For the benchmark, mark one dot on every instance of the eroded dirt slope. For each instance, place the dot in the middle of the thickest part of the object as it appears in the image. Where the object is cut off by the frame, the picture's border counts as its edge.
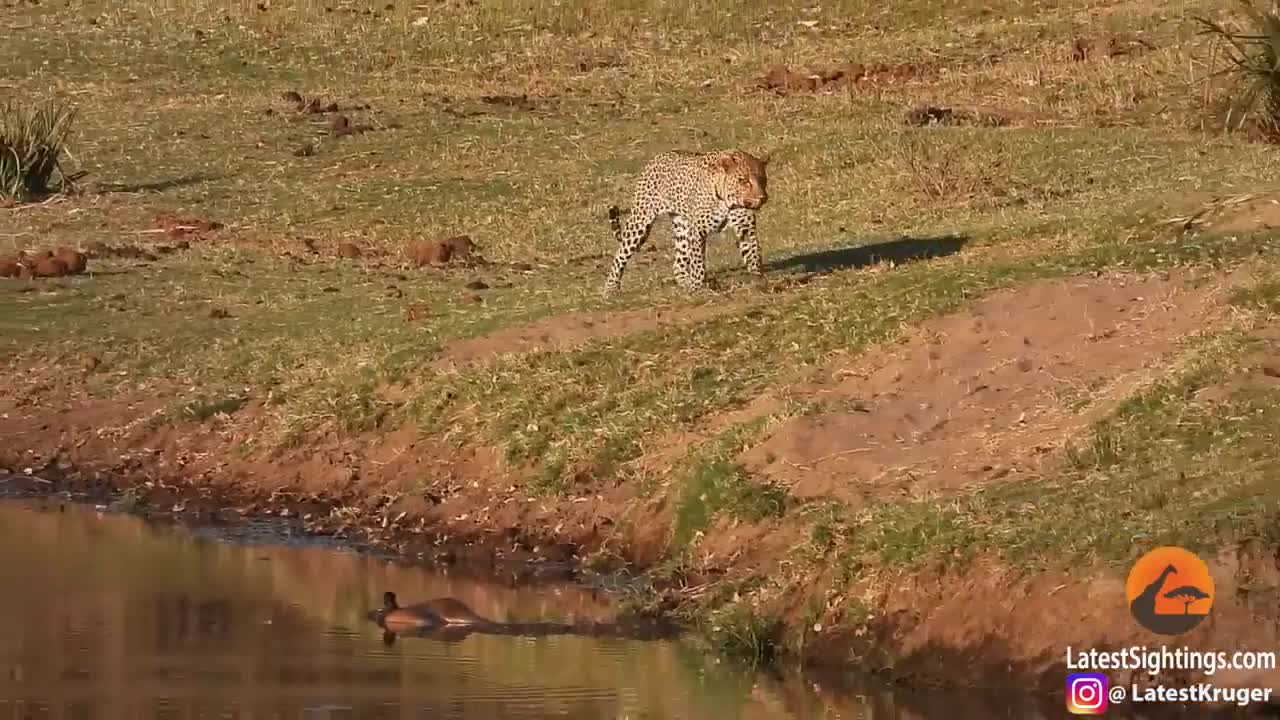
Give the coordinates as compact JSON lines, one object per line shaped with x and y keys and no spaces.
{"x":990,"y":393}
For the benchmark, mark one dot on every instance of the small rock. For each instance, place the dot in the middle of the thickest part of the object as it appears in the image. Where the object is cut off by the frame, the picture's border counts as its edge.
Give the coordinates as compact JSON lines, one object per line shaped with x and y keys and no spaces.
{"x":477,"y":285}
{"x":348,"y":250}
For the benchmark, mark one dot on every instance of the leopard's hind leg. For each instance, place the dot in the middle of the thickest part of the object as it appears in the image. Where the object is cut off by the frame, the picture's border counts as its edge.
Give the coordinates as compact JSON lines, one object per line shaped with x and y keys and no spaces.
{"x":630,"y":235}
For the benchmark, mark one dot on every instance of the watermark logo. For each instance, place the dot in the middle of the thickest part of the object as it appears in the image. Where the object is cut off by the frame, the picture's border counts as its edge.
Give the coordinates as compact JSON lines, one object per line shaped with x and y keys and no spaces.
{"x":1170,"y":591}
{"x":1087,"y":694}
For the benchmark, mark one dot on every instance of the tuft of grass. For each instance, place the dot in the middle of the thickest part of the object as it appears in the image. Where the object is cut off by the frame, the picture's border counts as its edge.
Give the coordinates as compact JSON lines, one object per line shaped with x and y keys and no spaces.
{"x":1264,"y":296}
{"x":743,"y":633}
{"x":32,"y":142}
{"x":715,"y":483}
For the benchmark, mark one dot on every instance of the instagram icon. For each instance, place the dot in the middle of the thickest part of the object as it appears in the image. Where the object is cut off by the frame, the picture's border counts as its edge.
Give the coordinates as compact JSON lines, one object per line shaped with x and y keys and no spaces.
{"x":1087,"y":694}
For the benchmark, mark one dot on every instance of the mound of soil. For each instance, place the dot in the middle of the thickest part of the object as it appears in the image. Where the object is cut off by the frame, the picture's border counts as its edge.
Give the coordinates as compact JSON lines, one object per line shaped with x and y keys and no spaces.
{"x":985,"y":395}
{"x":49,"y":268}
{"x":45,"y":264}
{"x":76,"y":262}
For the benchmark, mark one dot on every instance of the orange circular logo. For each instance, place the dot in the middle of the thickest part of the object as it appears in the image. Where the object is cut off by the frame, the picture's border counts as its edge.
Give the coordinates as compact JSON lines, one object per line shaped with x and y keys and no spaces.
{"x":1169,"y":591}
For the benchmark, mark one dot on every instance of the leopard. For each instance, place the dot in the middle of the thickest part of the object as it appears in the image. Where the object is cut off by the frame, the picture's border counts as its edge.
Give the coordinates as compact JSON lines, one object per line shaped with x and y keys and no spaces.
{"x":702,"y":193}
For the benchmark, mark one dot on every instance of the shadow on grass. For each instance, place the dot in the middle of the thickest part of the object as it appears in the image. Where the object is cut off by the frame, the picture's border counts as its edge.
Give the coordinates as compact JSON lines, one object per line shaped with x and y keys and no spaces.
{"x":157,"y":185}
{"x":900,"y":250}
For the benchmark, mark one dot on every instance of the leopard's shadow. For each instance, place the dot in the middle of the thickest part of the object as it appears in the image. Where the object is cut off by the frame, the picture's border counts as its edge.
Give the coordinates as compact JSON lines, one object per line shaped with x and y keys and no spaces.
{"x":900,"y":250}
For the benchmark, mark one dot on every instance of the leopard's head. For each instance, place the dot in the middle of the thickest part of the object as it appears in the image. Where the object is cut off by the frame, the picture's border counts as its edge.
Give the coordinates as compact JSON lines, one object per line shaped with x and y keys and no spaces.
{"x":745,"y":179}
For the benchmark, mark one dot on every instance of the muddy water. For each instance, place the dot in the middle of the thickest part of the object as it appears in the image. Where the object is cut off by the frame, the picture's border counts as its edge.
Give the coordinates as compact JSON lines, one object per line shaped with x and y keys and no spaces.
{"x":111,"y":617}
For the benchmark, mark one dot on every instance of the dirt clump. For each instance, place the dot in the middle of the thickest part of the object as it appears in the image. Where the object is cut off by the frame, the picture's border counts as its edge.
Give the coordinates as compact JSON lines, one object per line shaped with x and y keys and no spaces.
{"x":176,"y":226}
{"x":350,"y":251}
{"x":1245,"y":213}
{"x":75,"y":260}
{"x":459,"y":249}
{"x":49,"y":267}
{"x":983,"y":395}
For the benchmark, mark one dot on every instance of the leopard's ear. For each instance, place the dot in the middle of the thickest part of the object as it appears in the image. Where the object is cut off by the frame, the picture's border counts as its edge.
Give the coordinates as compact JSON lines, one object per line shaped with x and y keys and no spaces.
{"x":728,"y":161}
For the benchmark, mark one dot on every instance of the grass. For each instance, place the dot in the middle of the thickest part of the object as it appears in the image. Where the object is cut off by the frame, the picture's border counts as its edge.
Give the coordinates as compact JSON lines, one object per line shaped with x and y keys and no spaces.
{"x":518,"y":124}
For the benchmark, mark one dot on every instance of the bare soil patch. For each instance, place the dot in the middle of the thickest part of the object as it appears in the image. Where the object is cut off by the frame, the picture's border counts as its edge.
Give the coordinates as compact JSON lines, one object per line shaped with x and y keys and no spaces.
{"x":566,"y":331}
{"x":987,"y":394}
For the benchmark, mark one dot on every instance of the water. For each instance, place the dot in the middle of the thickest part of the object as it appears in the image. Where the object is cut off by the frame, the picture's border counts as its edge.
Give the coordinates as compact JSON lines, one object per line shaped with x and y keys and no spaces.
{"x":111,"y":617}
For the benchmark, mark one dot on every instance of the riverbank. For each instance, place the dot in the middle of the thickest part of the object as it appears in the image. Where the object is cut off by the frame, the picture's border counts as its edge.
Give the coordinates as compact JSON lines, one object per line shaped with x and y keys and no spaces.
{"x":990,"y":363}
{"x":949,"y":587}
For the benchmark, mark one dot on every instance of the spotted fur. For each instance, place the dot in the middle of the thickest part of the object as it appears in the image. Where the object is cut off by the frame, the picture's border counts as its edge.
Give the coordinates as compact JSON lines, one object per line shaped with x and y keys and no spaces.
{"x":702,"y":193}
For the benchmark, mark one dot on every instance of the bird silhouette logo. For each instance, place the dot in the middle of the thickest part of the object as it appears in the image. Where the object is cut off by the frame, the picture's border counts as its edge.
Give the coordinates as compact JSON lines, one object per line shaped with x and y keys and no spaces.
{"x":1170,"y":591}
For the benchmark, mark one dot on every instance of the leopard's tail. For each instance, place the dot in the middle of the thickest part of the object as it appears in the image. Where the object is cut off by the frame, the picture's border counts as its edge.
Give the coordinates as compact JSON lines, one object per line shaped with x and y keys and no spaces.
{"x":615,"y":221}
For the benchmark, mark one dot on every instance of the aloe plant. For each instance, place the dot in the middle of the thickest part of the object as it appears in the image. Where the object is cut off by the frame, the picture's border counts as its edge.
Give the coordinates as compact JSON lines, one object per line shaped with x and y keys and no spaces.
{"x":1255,"y":60}
{"x":32,"y":141}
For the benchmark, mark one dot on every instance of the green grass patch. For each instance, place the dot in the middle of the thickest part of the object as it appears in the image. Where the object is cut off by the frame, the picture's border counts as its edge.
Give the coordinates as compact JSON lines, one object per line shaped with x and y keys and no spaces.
{"x":714,"y":484}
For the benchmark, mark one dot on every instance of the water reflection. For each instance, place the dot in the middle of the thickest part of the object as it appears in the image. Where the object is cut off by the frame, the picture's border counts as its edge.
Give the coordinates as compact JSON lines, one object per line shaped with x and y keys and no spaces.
{"x":108,"y":617}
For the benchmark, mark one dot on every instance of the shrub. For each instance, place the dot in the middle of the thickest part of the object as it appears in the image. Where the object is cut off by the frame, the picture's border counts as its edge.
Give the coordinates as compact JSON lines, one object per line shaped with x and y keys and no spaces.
{"x":32,"y":141}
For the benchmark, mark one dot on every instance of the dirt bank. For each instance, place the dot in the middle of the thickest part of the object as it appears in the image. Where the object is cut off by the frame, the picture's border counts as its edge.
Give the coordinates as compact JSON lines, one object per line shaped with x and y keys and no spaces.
{"x":990,"y":397}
